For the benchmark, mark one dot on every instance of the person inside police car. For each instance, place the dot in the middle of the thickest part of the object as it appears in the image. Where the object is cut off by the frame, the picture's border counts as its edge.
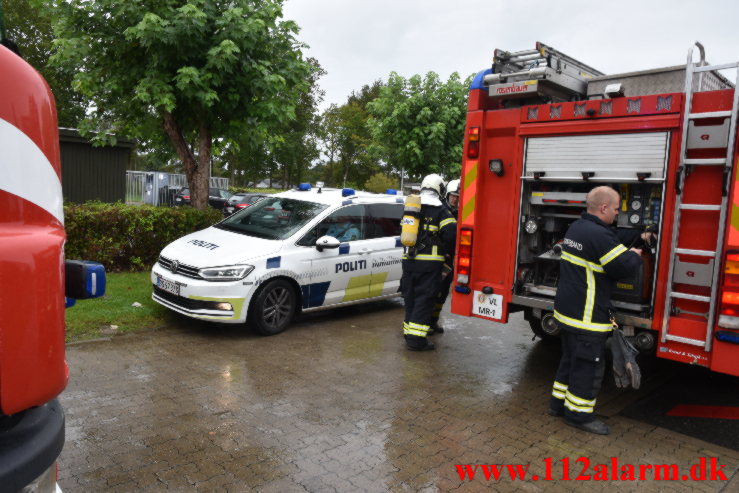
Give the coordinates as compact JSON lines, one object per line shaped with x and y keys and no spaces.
{"x":592,"y":259}
{"x":423,"y":263}
{"x":344,"y":229}
{"x":451,"y":202}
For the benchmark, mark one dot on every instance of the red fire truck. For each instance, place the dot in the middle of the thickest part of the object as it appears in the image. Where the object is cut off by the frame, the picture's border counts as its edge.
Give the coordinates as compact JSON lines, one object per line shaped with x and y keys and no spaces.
{"x":34,"y":279}
{"x":542,"y":130}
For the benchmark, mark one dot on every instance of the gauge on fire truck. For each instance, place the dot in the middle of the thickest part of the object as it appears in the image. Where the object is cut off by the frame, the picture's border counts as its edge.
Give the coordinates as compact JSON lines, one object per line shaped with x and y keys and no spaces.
{"x":531,"y":226}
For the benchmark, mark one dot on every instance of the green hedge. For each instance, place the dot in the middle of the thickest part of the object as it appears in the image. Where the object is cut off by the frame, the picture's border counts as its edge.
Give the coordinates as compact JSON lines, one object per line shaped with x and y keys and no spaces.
{"x":128,"y":237}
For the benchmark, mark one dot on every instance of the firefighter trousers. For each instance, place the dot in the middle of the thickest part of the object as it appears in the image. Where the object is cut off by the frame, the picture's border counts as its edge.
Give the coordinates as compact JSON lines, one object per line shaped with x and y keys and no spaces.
{"x":420,"y":289}
{"x":442,"y":295}
{"x":580,"y":374}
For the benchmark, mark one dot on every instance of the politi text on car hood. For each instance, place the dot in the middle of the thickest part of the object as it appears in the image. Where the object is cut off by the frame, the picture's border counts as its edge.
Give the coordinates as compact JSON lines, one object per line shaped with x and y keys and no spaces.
{"x":213,"y":247}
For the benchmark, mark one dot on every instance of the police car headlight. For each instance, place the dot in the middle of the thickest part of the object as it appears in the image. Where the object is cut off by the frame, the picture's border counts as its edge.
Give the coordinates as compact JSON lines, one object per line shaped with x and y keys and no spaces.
{"x":226,"y":272}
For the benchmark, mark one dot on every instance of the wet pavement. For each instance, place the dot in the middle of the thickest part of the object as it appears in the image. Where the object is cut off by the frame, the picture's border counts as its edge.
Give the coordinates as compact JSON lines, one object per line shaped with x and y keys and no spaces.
{"x":337,"y":404}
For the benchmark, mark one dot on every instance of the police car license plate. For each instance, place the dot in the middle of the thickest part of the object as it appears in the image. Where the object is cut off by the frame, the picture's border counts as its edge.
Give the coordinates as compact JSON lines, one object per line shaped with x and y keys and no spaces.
{"x":168,"y":286}
{"x":488,"y":305}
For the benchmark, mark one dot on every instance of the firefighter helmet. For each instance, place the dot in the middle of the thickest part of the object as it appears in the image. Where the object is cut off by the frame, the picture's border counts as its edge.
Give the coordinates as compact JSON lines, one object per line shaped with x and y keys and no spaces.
{"x":452,"y":188}
{"x":434,"y":182}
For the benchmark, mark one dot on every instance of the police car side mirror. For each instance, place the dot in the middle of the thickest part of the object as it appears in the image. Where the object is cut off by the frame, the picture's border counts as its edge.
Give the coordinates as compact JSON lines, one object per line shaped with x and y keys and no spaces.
{"x":83,"y":279}
{"x":327,"y":242}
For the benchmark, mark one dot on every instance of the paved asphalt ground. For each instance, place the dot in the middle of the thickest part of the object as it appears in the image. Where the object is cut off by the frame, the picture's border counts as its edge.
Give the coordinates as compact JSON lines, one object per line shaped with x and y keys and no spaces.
{"x":705,"y":392}
{"x":337,"y":404}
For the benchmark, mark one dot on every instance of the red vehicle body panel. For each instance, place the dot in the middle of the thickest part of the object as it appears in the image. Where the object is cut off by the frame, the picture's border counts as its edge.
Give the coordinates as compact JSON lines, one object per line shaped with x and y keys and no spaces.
{"x":32,"y":366}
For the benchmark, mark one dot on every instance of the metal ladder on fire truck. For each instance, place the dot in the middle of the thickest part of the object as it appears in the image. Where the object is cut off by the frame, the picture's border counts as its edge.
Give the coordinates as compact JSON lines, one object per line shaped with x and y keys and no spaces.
{"x":714,"y":264}
{"x":542,"y":71}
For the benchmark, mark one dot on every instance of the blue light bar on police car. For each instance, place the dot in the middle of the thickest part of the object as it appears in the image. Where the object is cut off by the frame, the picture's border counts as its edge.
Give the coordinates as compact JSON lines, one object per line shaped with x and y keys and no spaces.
{"x":391,"y":191}
{"x":346,"y":192}
{"x":304,"y":187}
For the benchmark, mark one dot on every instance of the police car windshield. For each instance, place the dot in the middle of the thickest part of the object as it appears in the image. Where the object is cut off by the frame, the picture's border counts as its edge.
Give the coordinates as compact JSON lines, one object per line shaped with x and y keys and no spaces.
{"x":272,"y":218}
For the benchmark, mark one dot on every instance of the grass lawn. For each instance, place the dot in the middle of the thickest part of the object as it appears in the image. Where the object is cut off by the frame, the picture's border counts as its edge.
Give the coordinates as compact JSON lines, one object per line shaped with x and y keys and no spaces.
{"x":90,"y":319}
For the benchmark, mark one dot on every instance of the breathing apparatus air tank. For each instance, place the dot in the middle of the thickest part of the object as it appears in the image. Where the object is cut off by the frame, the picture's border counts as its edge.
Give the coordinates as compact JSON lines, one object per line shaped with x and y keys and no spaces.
{"x":411,"y":220}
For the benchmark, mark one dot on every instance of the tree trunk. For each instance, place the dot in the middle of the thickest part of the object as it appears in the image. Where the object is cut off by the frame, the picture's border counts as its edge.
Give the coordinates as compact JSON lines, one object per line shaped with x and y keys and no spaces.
{"x":197,"y":169}
{"x":205,"y":143}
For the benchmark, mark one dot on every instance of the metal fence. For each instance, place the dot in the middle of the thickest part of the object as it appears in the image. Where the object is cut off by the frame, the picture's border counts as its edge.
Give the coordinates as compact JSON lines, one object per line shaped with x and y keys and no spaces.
{"x":135,"y":181}
{"x":157,"y":188}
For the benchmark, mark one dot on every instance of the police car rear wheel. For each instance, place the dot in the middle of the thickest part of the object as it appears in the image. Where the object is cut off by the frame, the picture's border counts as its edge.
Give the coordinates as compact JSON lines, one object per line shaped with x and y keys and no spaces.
{"x":274,"y":307}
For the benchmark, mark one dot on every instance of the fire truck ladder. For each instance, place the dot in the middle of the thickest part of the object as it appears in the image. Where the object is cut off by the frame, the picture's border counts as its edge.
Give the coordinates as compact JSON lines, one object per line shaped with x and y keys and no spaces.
{"x":715,"y":255}
{"x":532,"y":62}
{"x":560,"y":74}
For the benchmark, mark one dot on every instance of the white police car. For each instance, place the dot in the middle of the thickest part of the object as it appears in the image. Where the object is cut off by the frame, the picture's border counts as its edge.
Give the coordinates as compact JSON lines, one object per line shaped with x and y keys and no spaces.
{"x":305,"y":249}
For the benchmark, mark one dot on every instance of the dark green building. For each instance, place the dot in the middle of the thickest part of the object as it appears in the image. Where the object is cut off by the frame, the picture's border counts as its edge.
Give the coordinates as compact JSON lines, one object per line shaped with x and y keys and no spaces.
{"x":93,"y":173}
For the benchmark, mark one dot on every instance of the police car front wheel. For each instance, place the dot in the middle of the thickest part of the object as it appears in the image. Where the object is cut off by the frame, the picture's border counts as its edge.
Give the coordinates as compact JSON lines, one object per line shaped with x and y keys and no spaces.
{"x":273,"y":307}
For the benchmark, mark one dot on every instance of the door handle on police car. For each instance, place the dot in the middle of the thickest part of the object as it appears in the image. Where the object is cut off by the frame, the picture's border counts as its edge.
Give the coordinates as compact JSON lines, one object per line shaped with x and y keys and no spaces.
{"x":362,"y":251}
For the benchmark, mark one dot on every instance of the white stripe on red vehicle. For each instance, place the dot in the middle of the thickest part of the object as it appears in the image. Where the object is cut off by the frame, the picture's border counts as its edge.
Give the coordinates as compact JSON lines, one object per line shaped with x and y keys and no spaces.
{"x":35,"y":181}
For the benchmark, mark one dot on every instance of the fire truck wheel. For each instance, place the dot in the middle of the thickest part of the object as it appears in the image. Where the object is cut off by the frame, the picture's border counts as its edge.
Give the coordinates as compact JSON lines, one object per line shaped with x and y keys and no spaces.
{"x":273,"y":307}
{"x":545,"y":328}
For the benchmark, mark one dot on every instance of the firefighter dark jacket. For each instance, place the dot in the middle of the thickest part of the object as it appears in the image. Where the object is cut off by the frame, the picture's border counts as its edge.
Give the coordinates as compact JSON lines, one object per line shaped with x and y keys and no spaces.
{"x":436,"y":240}
{"x":592,"y":259}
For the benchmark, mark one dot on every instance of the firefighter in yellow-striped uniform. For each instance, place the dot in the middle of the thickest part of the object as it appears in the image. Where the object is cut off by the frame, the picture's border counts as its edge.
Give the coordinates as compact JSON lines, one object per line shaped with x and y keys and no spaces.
{"x":452,"y":205}
{"x":592,"y":258}
{"x":422,"y":264}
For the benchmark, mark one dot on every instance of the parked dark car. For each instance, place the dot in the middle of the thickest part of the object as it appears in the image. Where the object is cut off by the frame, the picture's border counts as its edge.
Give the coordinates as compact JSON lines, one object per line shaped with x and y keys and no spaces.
{"x":235,"y":197}
{"x":240,"y":201}
{"x":217,"y":198}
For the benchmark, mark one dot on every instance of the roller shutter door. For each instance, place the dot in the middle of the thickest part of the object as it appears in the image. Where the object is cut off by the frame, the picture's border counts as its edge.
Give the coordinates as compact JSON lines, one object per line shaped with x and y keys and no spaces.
{"x":617,"y":157}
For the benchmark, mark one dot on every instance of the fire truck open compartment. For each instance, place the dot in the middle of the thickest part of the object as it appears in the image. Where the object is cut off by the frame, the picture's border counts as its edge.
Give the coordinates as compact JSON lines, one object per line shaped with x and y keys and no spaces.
{"x":557,"y":174}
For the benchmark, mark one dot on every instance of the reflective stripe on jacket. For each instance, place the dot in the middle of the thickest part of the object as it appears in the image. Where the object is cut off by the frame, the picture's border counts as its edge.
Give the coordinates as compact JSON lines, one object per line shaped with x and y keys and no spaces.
{"x":592,"y":258}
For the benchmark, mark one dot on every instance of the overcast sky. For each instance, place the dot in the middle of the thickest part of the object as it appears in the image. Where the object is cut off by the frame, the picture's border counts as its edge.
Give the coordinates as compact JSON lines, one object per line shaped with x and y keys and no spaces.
{"x":357,"y":42}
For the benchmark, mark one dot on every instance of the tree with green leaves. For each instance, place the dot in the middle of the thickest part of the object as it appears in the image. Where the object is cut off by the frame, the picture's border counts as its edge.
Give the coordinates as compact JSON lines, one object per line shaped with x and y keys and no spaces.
{"x":197,"y":69}
{"x":28,"y":25}
{"x":287,"y":151}
{"x":380,"y":182}
{"x":417,"y":124}
{"x":297,"y":146}
{"x":329,"y":125}
{"x":347,"y":142}
{"x":329,"y":131}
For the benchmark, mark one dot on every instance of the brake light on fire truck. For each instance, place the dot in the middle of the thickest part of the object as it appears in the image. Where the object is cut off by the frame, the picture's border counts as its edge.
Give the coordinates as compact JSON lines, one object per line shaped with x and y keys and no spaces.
{"x":464,"y":257}
{"x":473,"y":142}
{"x":729,"y":314}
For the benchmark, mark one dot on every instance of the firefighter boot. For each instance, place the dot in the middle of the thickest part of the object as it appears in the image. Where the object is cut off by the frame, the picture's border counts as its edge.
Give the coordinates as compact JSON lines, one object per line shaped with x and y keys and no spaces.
{"x":417,"y":343}
{"x":596,"y":426}
{"x":436,"y":329}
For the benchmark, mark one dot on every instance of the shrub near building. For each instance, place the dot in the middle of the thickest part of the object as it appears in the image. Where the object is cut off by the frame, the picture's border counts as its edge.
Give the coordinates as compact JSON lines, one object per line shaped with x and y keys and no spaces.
{"x":126,"y":237}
